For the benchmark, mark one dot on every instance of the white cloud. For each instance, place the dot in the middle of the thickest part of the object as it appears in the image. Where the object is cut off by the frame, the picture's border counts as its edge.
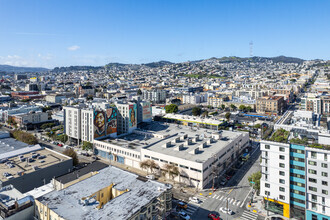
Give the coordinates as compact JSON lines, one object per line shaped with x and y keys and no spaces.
{"x":38,"y":60}
{"x":73,"y":48}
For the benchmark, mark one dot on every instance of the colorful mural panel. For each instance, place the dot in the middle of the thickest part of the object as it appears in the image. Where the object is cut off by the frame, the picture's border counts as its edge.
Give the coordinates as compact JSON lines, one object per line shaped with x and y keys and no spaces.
{"x":132,"y":116}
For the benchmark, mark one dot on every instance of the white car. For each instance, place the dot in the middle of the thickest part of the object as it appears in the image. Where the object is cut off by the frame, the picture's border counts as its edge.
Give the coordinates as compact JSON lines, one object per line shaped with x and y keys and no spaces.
{"x":227,"y":211}
{"x":195,"y":200}
{"x":150,"y":177}
{"x":184,"y":215}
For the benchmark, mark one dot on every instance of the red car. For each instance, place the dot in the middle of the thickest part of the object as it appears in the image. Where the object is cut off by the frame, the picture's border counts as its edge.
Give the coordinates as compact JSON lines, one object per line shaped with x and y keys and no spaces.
{"x":214,"y":216}
{"x":61,"y":145}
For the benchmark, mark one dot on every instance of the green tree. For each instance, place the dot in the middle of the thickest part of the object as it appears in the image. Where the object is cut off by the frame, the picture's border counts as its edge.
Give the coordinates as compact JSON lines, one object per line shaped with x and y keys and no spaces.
{"x":24,"y":137}
{"x":139,"y":92}
{"x":242,"y":108}
{"x":71,"y":153}
{"x":172,"y":108}
{"x":233,"y":107}
{"x":249,"y":109}
{"x":63,"y":138}
{"x":223,"y":107}
{"x":227,"y":116}
{"x":205,"y":114}
{"x":196,"y":111}
{"x":257,"y":126}
{"x":87,"y":145}
{"x":255,"y":177}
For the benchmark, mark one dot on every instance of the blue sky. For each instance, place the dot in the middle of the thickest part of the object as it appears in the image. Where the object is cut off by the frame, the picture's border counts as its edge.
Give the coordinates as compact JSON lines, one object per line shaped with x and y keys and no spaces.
{"x":52,"y":33}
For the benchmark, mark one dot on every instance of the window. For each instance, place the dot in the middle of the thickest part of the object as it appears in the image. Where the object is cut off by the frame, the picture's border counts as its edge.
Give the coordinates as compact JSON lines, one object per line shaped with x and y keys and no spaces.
{"x":314,"y":206}
{"x":267,"y":185}
{"x":267,"y":147}
{"x":325,"y":157}
{"x":282,"y":189}
{"x":325,"y":192}
{"x":282,"y":157}
{"x":297,"y":184}
{"x":313,"y":154}
{"x":282,"y":173}
{"x":312,"y":171}
{"x":282,"y":197}
{"x":297,"y":167}
{"x":282,"y":149}
{"x":312,"y":180}
{"x":267,"y":193}
{"x":324,"y":174}
{"x":297,"y":175}
{"x":314,"y":217}
{"x":324,"y":165}
{"x":314,"y":198}
{"x":324,"y":183}
{"x":282,"y":165}
{"x":297,"y":159}
{"x":297,"y":192}
{"x":282,"y":181}
{"x":312,"y":163}
{"x":312,"y":189}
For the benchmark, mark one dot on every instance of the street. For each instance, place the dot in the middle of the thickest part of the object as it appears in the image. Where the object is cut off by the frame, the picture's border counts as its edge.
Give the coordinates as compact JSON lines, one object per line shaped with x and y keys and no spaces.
{"x":237,"y":194}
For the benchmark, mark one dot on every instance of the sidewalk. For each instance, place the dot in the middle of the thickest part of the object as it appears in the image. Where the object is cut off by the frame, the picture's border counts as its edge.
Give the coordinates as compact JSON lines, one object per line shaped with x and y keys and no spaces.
{"x":258,"y":207}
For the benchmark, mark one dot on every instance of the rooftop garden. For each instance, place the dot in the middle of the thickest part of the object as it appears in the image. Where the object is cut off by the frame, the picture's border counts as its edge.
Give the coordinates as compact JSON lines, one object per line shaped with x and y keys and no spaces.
{"x":280,"y":135}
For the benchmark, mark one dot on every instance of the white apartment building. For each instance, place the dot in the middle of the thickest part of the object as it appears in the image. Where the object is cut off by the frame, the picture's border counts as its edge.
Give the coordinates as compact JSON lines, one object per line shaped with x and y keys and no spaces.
{"x":295,"y":180}
{"x":126,"y":122}
{"x":157,"y":96}
{"x":72,"y":122}
{"x":194,"y":98}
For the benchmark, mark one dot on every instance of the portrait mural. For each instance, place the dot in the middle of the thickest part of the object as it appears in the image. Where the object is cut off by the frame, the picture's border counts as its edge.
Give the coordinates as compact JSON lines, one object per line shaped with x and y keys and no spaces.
{"x":99,"y":124}
{"x":105,"y":122}
{"x":132,"y":116}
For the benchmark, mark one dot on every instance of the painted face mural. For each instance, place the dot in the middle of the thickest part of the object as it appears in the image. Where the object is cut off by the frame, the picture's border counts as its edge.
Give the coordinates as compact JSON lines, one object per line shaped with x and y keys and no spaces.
{"x":132,"y":116}
{"x":99,"y":124}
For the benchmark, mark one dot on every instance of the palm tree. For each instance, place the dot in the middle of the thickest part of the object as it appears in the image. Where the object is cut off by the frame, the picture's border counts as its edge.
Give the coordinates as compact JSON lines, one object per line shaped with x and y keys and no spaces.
{"x":152,"y":165}
{"x":171,"y":170}
{"x":144,"y":165}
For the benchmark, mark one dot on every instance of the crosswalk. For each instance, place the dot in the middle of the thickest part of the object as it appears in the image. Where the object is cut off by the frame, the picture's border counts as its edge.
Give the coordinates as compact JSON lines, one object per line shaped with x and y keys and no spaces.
{"x":247,"y":215}
{"x":192,"y":207}
{"x":230,"y":200}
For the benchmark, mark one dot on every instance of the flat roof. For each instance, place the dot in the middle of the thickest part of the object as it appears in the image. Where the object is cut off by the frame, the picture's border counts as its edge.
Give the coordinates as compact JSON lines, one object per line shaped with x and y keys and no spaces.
{"x":15,"y":167}
{"x":95,"y":166}
{"x":165,"y":132}
{"x":202,"y":154}
{"x":10,"y":144}
{"x":66,"y":202}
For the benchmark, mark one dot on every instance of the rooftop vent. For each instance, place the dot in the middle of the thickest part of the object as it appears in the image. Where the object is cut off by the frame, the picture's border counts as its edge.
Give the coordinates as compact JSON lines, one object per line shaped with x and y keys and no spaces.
{"x":194,"y":151}
{"x":179,"y":148}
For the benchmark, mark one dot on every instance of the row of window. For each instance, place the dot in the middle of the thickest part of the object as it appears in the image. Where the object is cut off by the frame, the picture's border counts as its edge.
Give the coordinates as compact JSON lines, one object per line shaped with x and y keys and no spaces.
{"x":164,"y":161}
{"x":314,"y":163}
{"x":311,"y":171}
{"x":314,"y":189}
{"x":297,"y":175}
{"x":117,"y":151}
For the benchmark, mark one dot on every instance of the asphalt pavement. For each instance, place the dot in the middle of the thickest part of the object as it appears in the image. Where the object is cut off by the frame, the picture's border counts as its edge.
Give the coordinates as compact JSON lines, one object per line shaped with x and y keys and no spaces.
{"x":236,"y":194}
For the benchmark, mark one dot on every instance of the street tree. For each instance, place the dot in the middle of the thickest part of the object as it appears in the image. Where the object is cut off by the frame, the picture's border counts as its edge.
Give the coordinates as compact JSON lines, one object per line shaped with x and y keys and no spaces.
{"x":196,"y":111}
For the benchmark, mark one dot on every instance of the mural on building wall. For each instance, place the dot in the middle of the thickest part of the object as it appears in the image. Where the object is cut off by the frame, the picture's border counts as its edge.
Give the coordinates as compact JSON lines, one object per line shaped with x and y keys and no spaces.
{"x":146,"y":115}
{"x":132,"y":116}
{"x":111,"y":114}
{"x":99,"y":123}
{"x":105,"y":122}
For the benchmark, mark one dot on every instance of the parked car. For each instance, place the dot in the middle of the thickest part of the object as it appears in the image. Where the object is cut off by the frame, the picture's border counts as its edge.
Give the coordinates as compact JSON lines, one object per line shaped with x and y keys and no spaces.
{"x":195,"y":200}
{"x":182,"y":205}
{"x":60,"y":145}
{"x":214,"y":216}
{"x":223,"y":181}
{"x":184,"y":215}
{"x":227,"y":211}
{"x":150,"y":177}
